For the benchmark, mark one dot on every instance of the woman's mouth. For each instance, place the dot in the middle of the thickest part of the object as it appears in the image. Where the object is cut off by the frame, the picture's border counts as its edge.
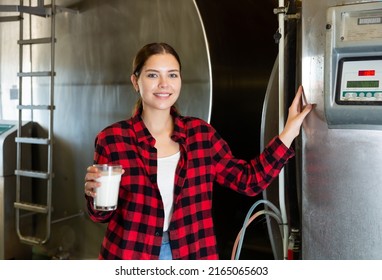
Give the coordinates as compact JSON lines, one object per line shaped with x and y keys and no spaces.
{"x":162,"y":94}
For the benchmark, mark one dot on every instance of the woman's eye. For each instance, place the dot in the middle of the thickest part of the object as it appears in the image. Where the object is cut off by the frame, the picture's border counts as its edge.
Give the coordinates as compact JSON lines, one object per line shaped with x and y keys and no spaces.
{"x":173,"y":75}
{"x":152,"y":75}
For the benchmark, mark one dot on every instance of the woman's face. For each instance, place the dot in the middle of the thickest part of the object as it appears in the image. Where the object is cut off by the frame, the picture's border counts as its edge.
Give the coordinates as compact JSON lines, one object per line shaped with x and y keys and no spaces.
{"x":159,"y":82}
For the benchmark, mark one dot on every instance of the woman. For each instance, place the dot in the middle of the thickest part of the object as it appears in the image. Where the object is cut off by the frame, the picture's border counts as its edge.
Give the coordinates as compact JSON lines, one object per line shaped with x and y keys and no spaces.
{"x":171,"y":163}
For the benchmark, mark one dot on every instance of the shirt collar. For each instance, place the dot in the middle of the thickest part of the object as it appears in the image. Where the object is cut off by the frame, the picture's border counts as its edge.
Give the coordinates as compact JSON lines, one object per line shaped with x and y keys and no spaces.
{"x":143,"y":134}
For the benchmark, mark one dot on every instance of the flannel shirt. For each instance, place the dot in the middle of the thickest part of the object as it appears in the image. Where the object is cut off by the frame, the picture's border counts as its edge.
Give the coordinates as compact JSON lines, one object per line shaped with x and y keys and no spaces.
{"x":135,"y":228}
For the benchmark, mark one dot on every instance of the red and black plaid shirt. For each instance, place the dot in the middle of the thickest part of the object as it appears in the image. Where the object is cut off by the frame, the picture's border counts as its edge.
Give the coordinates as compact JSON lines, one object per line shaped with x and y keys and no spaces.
{"x":135,"y":228}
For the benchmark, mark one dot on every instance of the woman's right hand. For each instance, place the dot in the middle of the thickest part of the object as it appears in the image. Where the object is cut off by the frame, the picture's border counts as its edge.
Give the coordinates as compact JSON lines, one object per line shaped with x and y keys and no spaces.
{"x":91,"y":184}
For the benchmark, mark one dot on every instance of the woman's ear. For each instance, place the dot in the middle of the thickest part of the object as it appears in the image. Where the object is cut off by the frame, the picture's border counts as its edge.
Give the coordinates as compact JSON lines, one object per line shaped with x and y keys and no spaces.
{"x":134,"y":81}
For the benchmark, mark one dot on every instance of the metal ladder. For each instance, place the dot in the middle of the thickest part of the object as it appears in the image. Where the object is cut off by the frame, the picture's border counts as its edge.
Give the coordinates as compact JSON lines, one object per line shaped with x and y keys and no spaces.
{"x":22,"y":207}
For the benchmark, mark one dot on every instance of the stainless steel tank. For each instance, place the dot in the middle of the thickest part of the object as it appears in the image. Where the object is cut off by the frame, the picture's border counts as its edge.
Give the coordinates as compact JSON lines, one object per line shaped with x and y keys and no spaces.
{"x":337,"y":179}
{"x":341,"y":190}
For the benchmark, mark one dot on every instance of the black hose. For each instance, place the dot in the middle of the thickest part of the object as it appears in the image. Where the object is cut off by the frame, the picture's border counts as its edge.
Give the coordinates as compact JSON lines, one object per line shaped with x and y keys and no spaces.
{"x":292,"y":178}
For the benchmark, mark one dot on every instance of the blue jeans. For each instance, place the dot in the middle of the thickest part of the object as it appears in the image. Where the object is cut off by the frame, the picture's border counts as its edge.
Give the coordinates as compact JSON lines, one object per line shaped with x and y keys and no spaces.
{"x":165,"y":249}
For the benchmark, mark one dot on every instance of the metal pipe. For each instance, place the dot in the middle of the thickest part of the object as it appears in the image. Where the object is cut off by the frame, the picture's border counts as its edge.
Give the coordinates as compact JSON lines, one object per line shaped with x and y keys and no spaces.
{"x":281,"y":21}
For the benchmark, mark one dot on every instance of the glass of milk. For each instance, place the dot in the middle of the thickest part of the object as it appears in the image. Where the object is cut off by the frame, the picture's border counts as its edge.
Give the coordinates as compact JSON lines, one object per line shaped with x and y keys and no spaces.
{"x":106,"y":198}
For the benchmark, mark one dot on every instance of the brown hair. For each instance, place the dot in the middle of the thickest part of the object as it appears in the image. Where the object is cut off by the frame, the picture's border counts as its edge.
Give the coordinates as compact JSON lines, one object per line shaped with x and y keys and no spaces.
{"x":143,"y":55}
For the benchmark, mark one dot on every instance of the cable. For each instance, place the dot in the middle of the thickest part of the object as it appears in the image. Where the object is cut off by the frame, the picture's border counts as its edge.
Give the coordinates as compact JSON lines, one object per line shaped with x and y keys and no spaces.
{"x":240,"y":237}
{"x":248,"y":219}
{"x":257,"y":203}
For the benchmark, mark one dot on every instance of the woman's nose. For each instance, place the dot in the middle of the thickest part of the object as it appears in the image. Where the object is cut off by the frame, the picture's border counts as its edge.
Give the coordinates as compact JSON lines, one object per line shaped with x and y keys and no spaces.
{"x":163,"y":82}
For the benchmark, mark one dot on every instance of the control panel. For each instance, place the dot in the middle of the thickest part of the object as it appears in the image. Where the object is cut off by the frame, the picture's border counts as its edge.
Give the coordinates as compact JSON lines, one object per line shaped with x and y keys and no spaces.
{"x":353,"y":66}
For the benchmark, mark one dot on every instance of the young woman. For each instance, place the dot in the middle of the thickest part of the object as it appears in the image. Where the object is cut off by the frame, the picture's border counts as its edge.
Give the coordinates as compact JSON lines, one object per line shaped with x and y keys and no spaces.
{"x":170,"y":165}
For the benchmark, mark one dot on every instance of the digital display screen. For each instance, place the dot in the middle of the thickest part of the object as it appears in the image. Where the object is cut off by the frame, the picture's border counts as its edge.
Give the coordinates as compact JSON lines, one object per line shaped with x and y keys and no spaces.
{"x":359,"y":81}
{"x":366,"y":73}
{"x":362,"y":84}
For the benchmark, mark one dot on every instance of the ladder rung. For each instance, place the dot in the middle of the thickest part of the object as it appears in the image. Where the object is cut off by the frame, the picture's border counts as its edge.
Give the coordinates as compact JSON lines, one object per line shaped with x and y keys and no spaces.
{"x":31,"y":240}
{"x":33,"y":174}
{"x":36,"y":74}
{"x":10,"y":18}
{"x":38,"y":208}
{"x":38,"y":11}
{"x":35,"y":107}
{"x":31,"y":140}
{"x":46,"y":40}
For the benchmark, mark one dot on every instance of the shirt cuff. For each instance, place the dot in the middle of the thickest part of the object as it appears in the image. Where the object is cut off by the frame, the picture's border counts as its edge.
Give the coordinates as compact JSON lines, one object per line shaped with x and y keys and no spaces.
{"x":282,"y":149}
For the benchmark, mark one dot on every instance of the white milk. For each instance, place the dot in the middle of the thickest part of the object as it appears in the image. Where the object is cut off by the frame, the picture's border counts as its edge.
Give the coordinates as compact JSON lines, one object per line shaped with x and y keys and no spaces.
{"x":107,"y":194}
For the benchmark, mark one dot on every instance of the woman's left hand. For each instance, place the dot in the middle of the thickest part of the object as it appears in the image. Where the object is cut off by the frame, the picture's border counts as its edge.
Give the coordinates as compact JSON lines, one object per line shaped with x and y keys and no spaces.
{"x":295,"y":118}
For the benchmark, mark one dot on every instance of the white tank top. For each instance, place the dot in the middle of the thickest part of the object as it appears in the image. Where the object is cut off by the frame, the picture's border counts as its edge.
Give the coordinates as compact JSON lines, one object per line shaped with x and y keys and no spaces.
{"x":166,"y":179}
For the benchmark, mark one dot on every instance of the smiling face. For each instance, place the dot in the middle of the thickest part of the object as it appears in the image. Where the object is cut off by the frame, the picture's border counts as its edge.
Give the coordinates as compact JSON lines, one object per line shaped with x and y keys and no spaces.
{"x":159,"y":82}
